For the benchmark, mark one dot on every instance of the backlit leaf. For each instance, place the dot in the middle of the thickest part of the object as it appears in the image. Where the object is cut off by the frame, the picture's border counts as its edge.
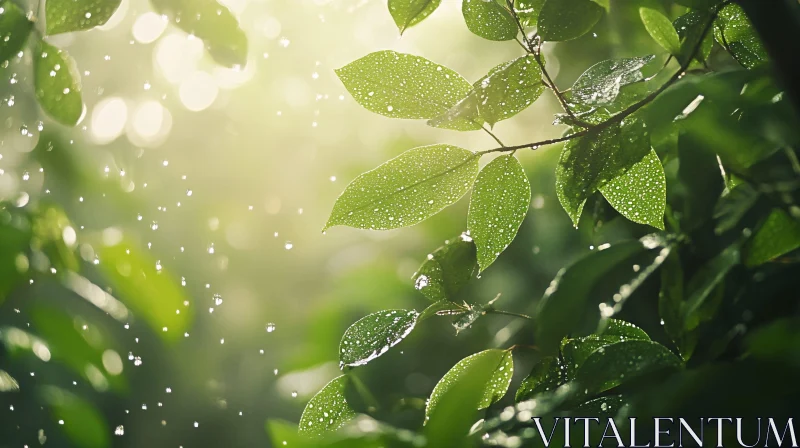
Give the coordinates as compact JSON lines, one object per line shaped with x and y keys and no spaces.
{"x":489,"y":20}
{"x":547,"y":375}
{"x":58,"y":84}
{"x":82,"y":422}
{"x":399,"y":85}
{"x":407,"y":189}
{"x":561,"y":20}
{"x":601,"y":83}
{"x":661,"y":30}
{"x":780,"y":234}
{"x":735,"y":33}
{"x":447,"y":269}
{"x":576,"y":350}
{"x":373,"y":335}
{"x":641,"y":193}
{"x":500,"y":200}
{"x":14,"y":29}
{"x":328,"y":410}
{"x":407,"y":13}
{"x":64,"y":16}
{"x":528,"y":11}
{"x":614,"y":364}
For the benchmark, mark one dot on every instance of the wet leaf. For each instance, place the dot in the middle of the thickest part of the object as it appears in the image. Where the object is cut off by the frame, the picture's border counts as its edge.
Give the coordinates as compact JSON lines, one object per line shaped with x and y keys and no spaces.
{"x":575,"y":351}
{"x":213,"y":23}
{"x":505,"y":91}
{"x":406,"y":190}
{"x":374,"y":335}
{"x":500,"y":200}
{"x":83,"y":424}
{"x":690,"y":28}
{"x":58,"y":84}
{"x":546,"y":375}
{"x":472,"y":314}
{"x":327,"y":411}
{"x":561,"y":20}
{"x":661,"y":30}
{"x":407,"y":13}
{"x":704,"y":282}
{"x":779,"y":235}
{"x":442,"y":308}
{"x":150,"y":290}
{"x":493,"y":390}
{"x":14,"y":30}
{"x":7,"y":382}
{"x":641,"y":193}
{"x":64,"y":16}
{"x":447,"y":270}
{"x":528,"y":11}
{"x":601,"y":83}
{"x":734,"y":32}
{"x":489,"y":20}
{"x":614,"y":364}
{"x":400,"y":85}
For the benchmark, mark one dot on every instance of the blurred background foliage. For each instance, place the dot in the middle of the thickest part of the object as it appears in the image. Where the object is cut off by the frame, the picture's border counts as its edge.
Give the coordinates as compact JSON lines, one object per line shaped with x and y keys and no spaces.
{"x":210,"y":185}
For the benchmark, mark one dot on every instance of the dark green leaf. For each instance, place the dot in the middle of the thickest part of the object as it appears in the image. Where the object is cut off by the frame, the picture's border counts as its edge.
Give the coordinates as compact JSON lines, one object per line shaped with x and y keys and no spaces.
{"x":561,"y":20}
{"x":528,"y":11}
{"x":493,"y":389}
{"x":327,"y":411}
{"x":406,"y":190}
{"x":779,"y":235}
{"x":661,"y":30}
{"x":641,"y":193}
{"x":447,"y":269}
{"x":82,"y":422}
{"x":704,"y":282}
{"x":690,"y":28}
{"x":399,"y":85}
{"x":374,"y":335}
{"x":212,"y":22}
{"x":148,"y":289}
{"x":489,"y":20}
{"x":546,"y":375}
{"x":670,"y":306}
{"x":58,"y":84}
{"x":576,"y":351}
{"x":499,"y":203}
{"x":601,"y":83}
{"x":64,"y":16}
{"x":14,"y":29}
{"x":732,"y":207}
{"x":407,"y":13}
{"x":614,"y":364}
{"x":735,"y":33}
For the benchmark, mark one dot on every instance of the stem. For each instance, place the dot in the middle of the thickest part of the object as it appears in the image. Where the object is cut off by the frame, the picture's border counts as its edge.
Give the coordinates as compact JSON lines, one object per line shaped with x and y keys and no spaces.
{"x":491,"y":134}
{"x":509,"y":313}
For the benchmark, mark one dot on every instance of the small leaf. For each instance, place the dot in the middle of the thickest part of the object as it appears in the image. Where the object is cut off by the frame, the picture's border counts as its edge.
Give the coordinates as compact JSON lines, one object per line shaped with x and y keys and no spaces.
{"x":406,"y":190}
{"x":576,"y":351}
{"x":327,"y":411}
{"x":65,"y":16}
{"x":374,"y":335}
{"x":704,"y":282}
{"x":601,"y":83}
{"x":212,"y":22}
{"x":735,"y":33}
{"x":407,"y":13}
{"x":528,"y":11}
{"x":472,"y":314}
{"x":399,"y":85}
{"x":492,"y":390}
{"x":447,"y":270}
{"x":661,"y":30}
{"x":779,"y":235}
{"x":546,"y":375}
{"x":442,"y":308}
{"x":147,"y":288}
{"x":561,"y":20}
{"x":83,"y":424}
{"x":500,"y":200}
{"x":58,"y":84}
{"x":614,"y":364}
{"x":505,"y":91}
{"x":641,"y":193}
{"x":489,"y":20}
{"x":14,"y":30}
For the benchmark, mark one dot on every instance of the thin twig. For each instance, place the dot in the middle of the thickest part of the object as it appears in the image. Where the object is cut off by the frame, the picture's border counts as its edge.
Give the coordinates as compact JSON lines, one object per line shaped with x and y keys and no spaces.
{"x":491,"y":134}
{"x":509,"y":313}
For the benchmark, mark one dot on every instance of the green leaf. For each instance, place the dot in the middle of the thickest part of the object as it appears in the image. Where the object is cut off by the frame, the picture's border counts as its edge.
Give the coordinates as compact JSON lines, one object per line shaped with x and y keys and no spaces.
{"x":283,"y":433}
{"x":704,"y":282}
{"x":734,"y":32}
{"x":213,"y":23}
{"x":83,"y":424}
{"x":406,"y":190}
{"x":7,"y":382}
{"x":489,"y":20}
{"x":733,"y":206}
{"x":65,"y":16}
{"x":641,"y":193}
{"x":14,"y":30}
{"x":546,"y":375}
{"x":399,"y":85}
{"x":58,"y":84}
{"x":661,"y":30}
{"x":407,"y":13}
{"x":670,"y":306}
{"x":374,"y":335}
{"x":614,"y":364}
{"x":561,"y":20}
{"x":15,"y":238}
{"x":505,"y":91}
{"x":146,"y":287}
{"x":447,"y":270}
{"x":528,"y":11}
{"x":601,"y":83}
{"x":575,"y":351}
{"x":499,"y":203}
{"x":589,"y":162}
{"x":328,"y":410}
{"x":779,"y":235}
{"x":690,"y":28}
{"x":493,"y":390}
